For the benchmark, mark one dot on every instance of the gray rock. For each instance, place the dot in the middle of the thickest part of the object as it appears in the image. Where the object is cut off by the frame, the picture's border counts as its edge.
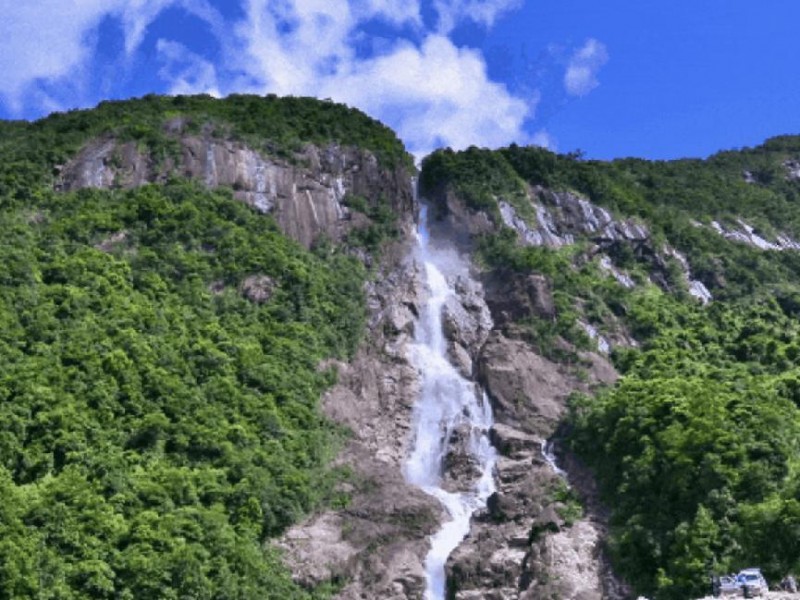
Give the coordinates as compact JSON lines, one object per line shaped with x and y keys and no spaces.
{"x":513,"y":443}
{"x":521,"y":547}
{"x":792,"y":169}
{"x":512,"y":297}
{"x":461,"y":469}
{"x":378,"y":542}
{"x":461,"y":359}
{"x":258,"y":288}
{"x":526,"y":389}
{"x":306,"y":197}
{"x":466,"y":319}
{"x":563,"y":216}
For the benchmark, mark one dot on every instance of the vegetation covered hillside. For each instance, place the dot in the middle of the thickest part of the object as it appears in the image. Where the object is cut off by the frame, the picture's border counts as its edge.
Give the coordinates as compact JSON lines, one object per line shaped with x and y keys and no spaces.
{"x":159,"y":352}
{"x":696,"y":446}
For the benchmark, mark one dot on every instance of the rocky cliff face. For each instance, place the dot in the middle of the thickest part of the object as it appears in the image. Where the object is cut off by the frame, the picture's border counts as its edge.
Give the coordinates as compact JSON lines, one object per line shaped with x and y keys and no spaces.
{"x":564,"y":218}
{"x":306,"y":195}
{"x":527,"y":543}
{"x":532,"y":541}
{"x":542,"y":532}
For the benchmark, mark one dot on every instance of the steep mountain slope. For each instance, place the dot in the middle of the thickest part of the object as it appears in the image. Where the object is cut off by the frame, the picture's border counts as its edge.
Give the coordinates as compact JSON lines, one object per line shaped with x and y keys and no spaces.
{"x":686,"y":274}
{"x":164,"y":344}
{"x":207,"y":389}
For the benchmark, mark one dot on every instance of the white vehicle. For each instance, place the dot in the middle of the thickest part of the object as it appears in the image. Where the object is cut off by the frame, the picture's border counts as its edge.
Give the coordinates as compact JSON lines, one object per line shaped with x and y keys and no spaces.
{"x":728,"y":586}
{"x":752,"y":582}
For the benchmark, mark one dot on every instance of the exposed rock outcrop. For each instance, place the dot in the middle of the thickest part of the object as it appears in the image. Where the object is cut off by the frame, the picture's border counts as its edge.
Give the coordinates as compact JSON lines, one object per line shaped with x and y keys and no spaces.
{"x":305,"y":195}
{"x":528,"y":542}
{"x":526,"y":545}
{"x":376,"y":545}
{"x":527,"y":390}
{"x":745,"y":233}
{"x":792,"y":169}
{"x":258,"y":288}
{"x":561,"y":217}
{"x":459,"y":224}
{"x":467,"y":323}
{"x":564,"y":218}
{"x":514,"y":298}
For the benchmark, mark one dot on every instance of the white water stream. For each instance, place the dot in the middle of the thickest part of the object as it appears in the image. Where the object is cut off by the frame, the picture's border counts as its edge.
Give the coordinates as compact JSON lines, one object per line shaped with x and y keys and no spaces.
{"x":447,"y":401}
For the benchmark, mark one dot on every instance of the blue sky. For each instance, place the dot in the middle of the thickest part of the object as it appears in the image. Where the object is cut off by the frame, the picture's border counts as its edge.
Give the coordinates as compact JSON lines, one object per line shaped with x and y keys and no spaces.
{"x":614,"y":78}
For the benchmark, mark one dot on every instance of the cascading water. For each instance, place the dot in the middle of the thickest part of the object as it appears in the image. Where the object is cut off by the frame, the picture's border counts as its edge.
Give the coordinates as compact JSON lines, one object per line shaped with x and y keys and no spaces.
{"x":447,"y":402}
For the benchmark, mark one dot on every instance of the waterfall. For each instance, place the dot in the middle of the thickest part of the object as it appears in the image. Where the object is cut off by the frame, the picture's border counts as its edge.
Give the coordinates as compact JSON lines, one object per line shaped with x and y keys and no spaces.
{"x":447,"y":402}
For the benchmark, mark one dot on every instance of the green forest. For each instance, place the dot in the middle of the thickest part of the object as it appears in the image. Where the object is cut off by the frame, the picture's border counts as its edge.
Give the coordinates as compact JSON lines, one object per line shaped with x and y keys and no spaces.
{"x":32,"y":152}
{"x":160,"y":421}
{"x":696,"y":448}
{"x":159,"y":353}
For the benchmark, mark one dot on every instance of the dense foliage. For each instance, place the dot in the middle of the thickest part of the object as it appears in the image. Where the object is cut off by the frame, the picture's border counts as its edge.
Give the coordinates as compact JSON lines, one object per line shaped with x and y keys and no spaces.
{"x":158,"y":424}
{"x":696,"y":447}
{"x":159,"y":352}
{"x":477,"y":175}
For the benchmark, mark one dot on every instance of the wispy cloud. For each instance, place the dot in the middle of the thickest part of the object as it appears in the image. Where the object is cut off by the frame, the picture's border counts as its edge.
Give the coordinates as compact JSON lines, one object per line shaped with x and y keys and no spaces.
{"x":43,"y":41}
{"x":49,"y":43}
{"x":581,"y":75}
{"x":482,"y":12}
{"x":188,"y":72}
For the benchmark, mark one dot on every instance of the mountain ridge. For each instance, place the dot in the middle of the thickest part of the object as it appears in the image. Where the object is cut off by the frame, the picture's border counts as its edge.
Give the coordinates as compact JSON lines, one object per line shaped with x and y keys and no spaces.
{"x":234,"y":278}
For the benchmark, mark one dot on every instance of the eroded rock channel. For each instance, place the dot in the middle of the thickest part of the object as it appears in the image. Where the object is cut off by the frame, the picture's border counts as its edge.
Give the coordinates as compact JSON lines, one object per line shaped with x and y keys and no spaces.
{"x":533,"y":539}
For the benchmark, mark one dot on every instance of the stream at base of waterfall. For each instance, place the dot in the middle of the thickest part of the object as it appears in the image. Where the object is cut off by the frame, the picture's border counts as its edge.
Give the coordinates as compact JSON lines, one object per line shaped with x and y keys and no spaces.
{"x":447,"y":403}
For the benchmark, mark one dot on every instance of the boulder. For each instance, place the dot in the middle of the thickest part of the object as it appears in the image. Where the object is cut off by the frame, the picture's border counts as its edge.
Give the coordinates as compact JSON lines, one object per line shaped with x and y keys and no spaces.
{"x":526,"y":390}
{"x":258,"y":288}
{"x":513,"y":443}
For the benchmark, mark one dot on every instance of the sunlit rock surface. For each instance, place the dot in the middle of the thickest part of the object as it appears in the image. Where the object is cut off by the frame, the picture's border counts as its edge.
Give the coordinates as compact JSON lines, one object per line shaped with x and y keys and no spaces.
{"x":306,"y":194}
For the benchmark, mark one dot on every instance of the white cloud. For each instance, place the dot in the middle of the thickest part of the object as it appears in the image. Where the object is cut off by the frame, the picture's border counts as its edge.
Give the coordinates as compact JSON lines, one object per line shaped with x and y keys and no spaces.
{"x":51,"y":41}
{"x":581,"y":75}
{"x":43,"y":40}
{"x":432,"y":93}
{"x":136,"y":16}
{"x":391,"y":11}
{"x":289,"y":45}
{"x":430,"y":90}
{"x":435,"y":94}
{"x":544,"y":139}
